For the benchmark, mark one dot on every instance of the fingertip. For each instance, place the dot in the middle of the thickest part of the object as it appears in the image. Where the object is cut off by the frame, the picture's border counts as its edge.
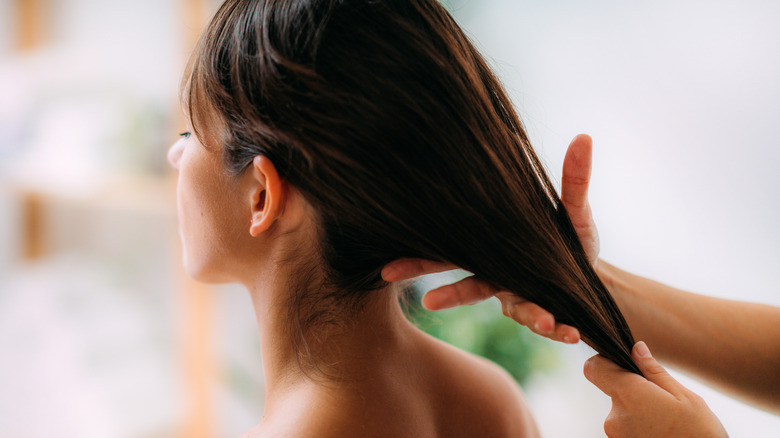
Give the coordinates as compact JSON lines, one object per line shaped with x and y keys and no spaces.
{"x":582,"y":137}
{"x":580,"y":143}
{"x":545,"y":323}
{"x":641,"y":351}
{"x":570,"y":335}
{"x":654,"y":371}
{"x":403,"y":269}
{"x":389,"y":273}
{"x":436,"y":300}
{"x":429,"y":302}
{"x":394,"y":270}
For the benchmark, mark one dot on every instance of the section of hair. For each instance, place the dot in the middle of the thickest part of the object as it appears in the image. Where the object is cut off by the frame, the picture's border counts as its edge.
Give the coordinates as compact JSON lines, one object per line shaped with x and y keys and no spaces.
{"x":394,"y":128}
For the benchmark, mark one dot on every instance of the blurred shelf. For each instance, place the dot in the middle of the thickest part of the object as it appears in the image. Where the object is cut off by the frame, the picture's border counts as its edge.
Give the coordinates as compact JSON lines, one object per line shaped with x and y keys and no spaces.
{"x":141,"y":194}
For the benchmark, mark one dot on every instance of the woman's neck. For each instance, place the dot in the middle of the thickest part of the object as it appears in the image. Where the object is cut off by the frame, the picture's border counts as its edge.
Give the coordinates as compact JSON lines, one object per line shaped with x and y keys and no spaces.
{"x":347,"y":348}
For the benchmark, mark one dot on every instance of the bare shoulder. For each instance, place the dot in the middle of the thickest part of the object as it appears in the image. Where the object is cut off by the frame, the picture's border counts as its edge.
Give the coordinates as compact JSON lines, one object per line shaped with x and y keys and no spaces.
{"x":439,"y":392}
{"x":481,"y":397}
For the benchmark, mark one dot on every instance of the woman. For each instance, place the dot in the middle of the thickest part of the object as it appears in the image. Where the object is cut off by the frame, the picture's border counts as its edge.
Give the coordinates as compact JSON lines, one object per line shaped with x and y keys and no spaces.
{"x":330,"y":137}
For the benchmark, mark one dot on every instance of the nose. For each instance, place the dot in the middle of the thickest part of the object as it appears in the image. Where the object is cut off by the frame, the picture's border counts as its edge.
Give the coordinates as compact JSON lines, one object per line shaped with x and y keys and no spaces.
{"x":174,"y":153}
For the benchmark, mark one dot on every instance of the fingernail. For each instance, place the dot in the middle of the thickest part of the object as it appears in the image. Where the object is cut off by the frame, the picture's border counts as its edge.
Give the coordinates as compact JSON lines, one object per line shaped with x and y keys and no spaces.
{"x":566,"y":339}
{"x":641,"y":349}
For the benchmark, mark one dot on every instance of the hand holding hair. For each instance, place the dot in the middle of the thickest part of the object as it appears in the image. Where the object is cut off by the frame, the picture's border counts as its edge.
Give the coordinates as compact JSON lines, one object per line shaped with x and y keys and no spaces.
{"x":655,"y":406}
{"x":649,"y":306}
{"x":574,"y":194}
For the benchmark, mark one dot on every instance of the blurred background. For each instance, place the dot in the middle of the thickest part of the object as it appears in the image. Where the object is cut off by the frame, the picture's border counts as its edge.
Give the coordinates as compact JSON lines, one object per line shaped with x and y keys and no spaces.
{"x":101,"y":335}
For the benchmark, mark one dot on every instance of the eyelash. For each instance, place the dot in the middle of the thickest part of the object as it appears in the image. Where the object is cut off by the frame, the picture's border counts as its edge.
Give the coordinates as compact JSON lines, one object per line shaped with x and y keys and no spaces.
{"x":185,"y":135}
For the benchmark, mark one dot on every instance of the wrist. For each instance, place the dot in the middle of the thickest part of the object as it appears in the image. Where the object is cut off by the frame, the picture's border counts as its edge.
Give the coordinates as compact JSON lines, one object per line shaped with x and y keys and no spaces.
{"x":606,"y":273}
{"x":610,"y":276}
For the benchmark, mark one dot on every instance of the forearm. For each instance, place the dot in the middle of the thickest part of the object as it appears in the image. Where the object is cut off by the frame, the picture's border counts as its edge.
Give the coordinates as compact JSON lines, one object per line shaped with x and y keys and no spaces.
{"x":732,"y":345}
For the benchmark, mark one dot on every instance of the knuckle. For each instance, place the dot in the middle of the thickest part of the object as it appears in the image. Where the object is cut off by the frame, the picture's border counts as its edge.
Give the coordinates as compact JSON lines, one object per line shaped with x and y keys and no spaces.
{"x":485,"y":290}
{"x":613,"y":425}
{"x":460,"y":293}
{"x":479,"y":289}
{"x":534,"y":311}
{"x":506,"y":309}
{"x":575,"y":180}
{"x":517,"y":316}
{"x":695,"y":399}
{"x":589,"y":368}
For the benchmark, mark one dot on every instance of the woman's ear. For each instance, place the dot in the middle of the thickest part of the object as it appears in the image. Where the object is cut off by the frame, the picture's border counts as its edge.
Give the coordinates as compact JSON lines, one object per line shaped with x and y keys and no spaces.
{"x":267,"y":196}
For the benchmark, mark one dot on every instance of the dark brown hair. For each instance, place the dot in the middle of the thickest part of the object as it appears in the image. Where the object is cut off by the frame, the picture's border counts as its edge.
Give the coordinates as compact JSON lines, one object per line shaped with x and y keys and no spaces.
{"x":392,"y":126}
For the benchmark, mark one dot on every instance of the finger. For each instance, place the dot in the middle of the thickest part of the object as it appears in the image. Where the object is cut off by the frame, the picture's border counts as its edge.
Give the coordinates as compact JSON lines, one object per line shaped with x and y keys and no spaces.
{"x":467,"y":291}
{"x":536,"y":318}
{"x":608,"y":376}
{"x":404,"y":269}
{"x":653,"y":371}
{"x":566,"y":334}
{"x":527,"y":313}
{"x":576,"y":180}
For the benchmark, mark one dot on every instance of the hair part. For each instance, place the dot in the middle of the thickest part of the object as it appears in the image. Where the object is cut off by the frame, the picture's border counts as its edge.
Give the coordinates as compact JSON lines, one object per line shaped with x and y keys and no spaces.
{"x":393,"y":127}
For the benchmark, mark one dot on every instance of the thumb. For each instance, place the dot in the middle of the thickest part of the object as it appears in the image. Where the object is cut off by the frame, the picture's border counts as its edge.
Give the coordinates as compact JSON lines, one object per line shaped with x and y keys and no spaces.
{"x":653,"y":371}
{"x":576,"y":179}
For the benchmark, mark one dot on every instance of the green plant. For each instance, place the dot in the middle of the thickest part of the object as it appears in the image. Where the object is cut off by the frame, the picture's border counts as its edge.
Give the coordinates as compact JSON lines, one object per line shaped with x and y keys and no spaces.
{"x":483,"y":330}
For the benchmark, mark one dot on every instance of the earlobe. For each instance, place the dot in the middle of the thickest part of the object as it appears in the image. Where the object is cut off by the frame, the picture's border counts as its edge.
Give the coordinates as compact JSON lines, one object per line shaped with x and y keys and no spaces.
{"x":268,"y":197}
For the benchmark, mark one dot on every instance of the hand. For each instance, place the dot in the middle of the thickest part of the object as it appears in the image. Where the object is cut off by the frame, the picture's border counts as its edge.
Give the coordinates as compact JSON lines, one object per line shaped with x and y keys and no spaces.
{"x":574,"y":194}
{"x":655,"y":406}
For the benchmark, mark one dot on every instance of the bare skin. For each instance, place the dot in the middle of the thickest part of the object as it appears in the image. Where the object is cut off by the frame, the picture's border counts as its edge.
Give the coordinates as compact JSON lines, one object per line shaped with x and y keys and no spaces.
{"x":731,"y":345}
{"x":653,"y":406}
{"x":392,"y":379}
{"x":734,"y":346}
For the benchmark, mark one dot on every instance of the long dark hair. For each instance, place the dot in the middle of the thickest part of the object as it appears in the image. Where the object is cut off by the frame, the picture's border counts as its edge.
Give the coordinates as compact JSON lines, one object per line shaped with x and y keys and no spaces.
{"x":390,"y":123}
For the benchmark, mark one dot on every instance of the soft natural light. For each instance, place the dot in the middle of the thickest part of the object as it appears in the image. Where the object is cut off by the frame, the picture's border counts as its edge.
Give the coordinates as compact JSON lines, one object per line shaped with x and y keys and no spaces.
{"x":97,"y":319}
